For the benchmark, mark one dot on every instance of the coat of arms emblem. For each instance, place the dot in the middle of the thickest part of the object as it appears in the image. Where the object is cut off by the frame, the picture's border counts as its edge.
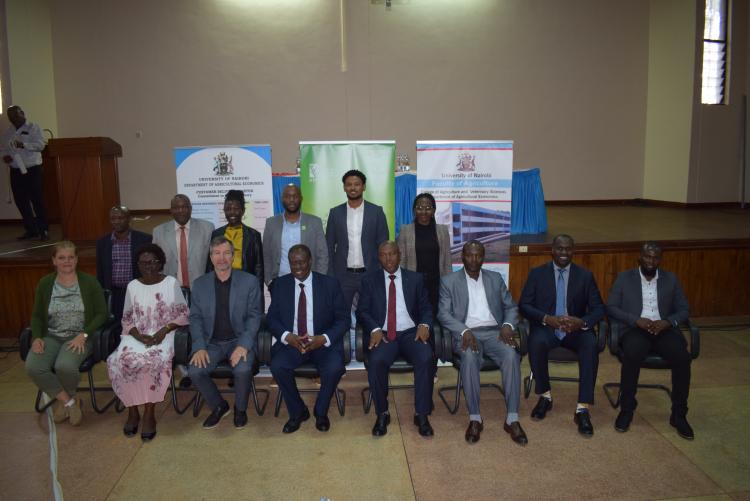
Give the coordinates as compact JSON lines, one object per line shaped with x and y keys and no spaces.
{"x":223,"y":165}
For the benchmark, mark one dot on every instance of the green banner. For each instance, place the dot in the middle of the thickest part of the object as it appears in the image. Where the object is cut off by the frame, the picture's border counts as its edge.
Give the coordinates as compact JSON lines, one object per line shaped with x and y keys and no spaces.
{"x":323,"y":163}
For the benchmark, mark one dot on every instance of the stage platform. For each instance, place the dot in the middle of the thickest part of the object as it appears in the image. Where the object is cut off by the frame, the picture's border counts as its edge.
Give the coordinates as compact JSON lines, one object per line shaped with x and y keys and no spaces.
{"x":709,"y":249}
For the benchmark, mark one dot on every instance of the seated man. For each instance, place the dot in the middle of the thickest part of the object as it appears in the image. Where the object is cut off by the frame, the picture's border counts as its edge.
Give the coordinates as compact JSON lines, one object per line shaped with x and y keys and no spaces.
{"x":396,"y":316}
{"x":651,"y":305}
{"x":308,"y":318}
{"x":224,"y":321}
{"x":477,"y":309}
{"x":562,"y":303}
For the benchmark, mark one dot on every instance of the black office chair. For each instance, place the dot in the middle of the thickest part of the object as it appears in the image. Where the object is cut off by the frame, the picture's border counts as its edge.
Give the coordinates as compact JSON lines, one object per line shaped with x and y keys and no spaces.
{"x":446,"y":354}
{"x":399,"y":366}
{"x":306,"y":370}
{"x":566,"y":356}
{"x":652,"y":360}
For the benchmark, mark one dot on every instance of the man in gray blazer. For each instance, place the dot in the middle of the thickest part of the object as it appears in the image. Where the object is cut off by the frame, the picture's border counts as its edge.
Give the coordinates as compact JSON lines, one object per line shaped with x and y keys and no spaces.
{"x":195,"y":232}
{"x":478,"y":310}
{"x":290,"y":228}
{"x":224,"y":321}
{"x":651,"y":305}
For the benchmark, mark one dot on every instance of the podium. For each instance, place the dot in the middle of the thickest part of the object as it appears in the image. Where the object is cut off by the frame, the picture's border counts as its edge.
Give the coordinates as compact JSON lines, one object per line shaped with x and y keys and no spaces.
{"x":87,"y":184}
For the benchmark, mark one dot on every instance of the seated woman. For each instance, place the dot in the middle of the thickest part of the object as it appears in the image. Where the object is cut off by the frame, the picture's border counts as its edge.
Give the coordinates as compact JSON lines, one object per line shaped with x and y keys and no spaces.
{"x":68,"y":307}
{"x":141,"y":367}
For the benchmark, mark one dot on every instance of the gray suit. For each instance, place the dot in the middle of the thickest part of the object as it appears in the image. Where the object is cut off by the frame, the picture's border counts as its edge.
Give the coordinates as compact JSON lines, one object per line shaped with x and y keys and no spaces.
{"x":199,"y":238}
{"x":454,"y":306}
{"x":311,"y":233}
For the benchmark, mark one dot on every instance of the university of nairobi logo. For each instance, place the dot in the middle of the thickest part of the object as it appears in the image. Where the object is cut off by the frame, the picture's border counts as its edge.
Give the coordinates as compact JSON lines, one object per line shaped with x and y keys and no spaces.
{"x":223,"y":165}
{"x":466,"y":162}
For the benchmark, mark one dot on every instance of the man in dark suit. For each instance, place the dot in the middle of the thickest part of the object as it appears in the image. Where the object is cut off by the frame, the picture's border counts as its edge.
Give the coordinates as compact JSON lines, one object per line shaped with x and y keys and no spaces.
{"x":308,"y":318}
{"x":562,"y":303}
{"x":397,"y":319}
{"x":224,"y":321}
{"x":650,"y":304}
{"x":353,"y":232}
{"x":115,"y":257}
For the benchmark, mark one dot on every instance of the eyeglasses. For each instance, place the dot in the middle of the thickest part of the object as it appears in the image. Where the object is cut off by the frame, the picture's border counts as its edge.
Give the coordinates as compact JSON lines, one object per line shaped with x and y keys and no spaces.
{"x":151,"y":262}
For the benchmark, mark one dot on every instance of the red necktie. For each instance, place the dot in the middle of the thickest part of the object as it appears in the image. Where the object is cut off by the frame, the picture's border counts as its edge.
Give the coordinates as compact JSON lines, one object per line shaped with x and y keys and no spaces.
{"x":302,"y":312}
{"x":391,"y":327}
{"x":184,"y":258}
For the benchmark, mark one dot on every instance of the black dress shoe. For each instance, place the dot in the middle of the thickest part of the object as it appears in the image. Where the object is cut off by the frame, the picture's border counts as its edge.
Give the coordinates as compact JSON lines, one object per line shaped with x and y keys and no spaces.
{"x":516,"y":432}
{"x":682,"y":426}
{"x":147,"y":437}
{"x":381,"y":425}
{"x":541,"y":408}
{"x":130,"y":431}
{"x":186,"y":382}
{"x":474,"y":431}
{"x":216,"y":415}
{"x":293,"y":424}
{"x":622,"y":423}
{"x":44,"y":235}
{"x":27,"y":235}
{"x":322,"y":423}
{"x":583,"y":419}
{"x":240,"y":418}
{"x":423,"y":424}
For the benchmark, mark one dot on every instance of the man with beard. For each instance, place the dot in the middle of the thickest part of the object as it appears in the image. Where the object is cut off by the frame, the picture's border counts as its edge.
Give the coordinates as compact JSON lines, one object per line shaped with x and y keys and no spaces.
{"x":650,"y":304}
{"x":290,"y":228}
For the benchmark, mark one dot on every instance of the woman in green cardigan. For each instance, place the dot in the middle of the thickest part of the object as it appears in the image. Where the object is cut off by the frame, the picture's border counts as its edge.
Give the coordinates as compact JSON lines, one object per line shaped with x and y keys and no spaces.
{"x":68,"y":307}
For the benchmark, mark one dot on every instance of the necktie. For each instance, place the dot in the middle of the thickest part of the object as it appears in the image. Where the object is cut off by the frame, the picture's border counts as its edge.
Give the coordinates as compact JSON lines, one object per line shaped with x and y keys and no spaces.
{"x":391,"y":327}
{"x":560,"y":301}
{"x":302,"y":312}
{"x":184,"y":258}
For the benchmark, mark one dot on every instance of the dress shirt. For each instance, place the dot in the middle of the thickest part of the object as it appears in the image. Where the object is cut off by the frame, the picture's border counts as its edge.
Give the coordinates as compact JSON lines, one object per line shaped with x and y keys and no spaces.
{"x":187,"y":239}
{"x":354,"y":218}
{"x":33,"y":143}
{"x":122,"y":261}
{"x":478,"y":313}
{"x":309,"y":302}
{"x":290,"y":235}
{"x":649,"y":296}
{"x":403,"y":319}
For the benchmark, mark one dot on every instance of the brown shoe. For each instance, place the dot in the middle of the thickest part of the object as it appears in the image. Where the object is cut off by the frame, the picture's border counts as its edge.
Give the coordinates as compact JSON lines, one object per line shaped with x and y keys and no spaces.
{"x":76,"y":413}
{"x":473,"y":431}
{"x":516,"y":432}
{"x":59,"y":412}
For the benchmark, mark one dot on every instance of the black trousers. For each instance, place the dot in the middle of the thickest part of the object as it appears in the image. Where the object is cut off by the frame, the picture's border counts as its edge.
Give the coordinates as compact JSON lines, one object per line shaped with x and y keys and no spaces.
{"x":672,"y":346}
{"x":27,"y":192}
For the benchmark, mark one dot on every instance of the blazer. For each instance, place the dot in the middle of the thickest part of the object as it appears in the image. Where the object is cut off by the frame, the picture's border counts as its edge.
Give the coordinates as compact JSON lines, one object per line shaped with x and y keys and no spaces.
{"x":244,"y":309}
{"x":454,"y":300}
{"x":311,"y":233}
{"x":104,"y":256}
{"x":374,"y":232}
{"x":408,"y":249}
{"x":373,"y":300}
{"x":198,"y":241}
{"x":331,"y":315}
{"x":625,"y":301}
{"x":539,"y":296}
{"x":252,"y":250}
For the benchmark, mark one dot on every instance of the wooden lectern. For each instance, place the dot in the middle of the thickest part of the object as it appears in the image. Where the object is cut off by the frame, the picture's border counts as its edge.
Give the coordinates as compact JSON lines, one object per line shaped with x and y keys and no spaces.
{"x":87,"y":184}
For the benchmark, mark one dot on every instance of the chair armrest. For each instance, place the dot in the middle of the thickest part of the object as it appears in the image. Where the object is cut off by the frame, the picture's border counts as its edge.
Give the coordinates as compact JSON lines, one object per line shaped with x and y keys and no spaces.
{"x":24,"y":342}
{"x":615,"y":331}
{"x":106,"y":339}
{"x":602,"y":332}
{"x":437,"y":333}
{"x":446,"y":350}
{"x":182,"y":346}
{"x":264,"y":345}
{"x":359,"y":344}
{"x":695,"y":340}
{"x":347,"y":348}
{"x":522,"y":333}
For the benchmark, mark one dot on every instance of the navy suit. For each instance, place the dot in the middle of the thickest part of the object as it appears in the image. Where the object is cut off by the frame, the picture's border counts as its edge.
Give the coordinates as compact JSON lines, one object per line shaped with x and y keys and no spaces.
{"x":331,"y":317}
{"x":371,"y":313}
{"x":539,"y":298}
{"x":104,"y":267}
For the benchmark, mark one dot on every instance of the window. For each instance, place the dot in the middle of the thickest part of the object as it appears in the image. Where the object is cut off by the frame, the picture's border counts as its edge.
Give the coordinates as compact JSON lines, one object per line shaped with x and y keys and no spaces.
{"x":715,"y":53}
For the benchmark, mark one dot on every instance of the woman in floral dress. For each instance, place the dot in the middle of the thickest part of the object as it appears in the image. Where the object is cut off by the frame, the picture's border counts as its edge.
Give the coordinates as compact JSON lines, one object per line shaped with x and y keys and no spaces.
{"x":141,"y":367}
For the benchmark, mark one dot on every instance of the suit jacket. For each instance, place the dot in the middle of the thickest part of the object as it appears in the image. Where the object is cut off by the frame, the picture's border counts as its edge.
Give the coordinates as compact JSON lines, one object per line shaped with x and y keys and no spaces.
{"x":244,"y":309}
{"x":625,"y":301}
{"x":330,"y":313}
{"x":104,"y":256}
{"x":198,"y":241}
{"x":454,"y":300}
{"x":373,"y":300}
{"x":407,"y":247}
{"x":374,"y":232}
{"x":311,"y":233}
{"x":539,"y":296}
{"x":252,"y":250}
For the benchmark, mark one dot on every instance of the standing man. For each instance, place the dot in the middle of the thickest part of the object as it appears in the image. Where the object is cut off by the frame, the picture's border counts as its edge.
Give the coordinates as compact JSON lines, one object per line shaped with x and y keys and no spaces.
{"x":224,"y":321}
{"x":563,"y":304}
{"x":21,"y":149}
{"x":651,"y":305}
{"x":478,"y":310}
{"x":115,"y":257}
{"x":354,"y":231}
{"x":396,"y":316}
{"x":308,"y":318}
{"x":290,"y":228}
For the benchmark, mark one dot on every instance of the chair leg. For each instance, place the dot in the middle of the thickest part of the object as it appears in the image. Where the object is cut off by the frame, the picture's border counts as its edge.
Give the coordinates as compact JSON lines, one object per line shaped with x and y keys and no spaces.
{"x":527,"y":385}
{"x":279,"y":398}
{"x":366,"y":401}
{"x":39,"y":401}
{"x":176,"y":404}
{"x":197,"y":405}
{"x":341,"y":401}
{"x":259,"y":409}
{"x":457,"y":399}
{"x":92,"y":391}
